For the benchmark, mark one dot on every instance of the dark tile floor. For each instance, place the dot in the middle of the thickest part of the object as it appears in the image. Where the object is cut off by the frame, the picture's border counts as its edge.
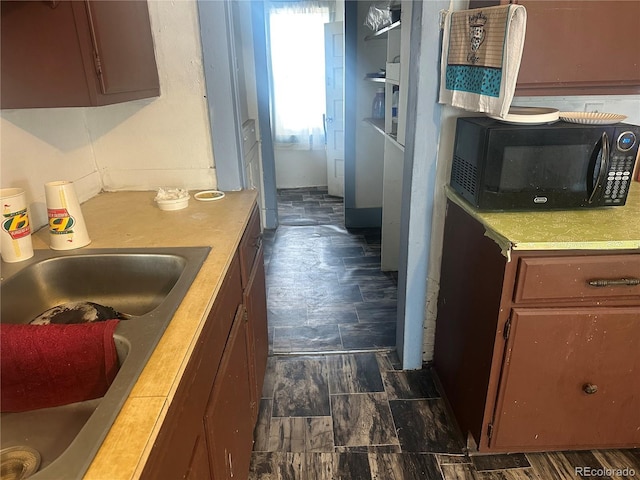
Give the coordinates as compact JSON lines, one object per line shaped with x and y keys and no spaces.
{"x":357,"y":417}
{"x":309,"y":206}
{"x":325,"y":289}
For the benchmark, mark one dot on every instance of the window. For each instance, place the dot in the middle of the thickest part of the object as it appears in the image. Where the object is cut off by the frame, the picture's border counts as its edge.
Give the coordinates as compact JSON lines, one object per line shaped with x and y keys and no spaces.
{"x":297,"y":65}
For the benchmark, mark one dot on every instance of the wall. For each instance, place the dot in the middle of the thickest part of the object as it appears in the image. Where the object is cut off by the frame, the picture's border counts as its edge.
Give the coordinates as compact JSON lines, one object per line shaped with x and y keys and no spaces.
{"x":137,"y":145}
{"x":623,"y":104}
{"x":421,"y":155}
{"x":245,"y":31}
{"x":300,"y":168}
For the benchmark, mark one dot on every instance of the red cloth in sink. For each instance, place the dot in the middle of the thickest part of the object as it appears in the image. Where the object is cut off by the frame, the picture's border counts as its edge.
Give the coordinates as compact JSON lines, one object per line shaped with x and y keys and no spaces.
{"x":50,"y":365}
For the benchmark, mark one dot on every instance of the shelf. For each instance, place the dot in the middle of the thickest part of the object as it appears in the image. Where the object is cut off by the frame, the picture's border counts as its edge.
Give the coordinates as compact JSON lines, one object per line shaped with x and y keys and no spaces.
{"x":382,"y":80}
{"x":378,"y":124}
{"x":382,"y":32}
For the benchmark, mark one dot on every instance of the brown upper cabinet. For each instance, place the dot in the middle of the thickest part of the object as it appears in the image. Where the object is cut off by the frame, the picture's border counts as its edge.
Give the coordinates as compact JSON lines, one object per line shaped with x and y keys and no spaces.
{"x":578,"y":47}
{"x":76,"y":53}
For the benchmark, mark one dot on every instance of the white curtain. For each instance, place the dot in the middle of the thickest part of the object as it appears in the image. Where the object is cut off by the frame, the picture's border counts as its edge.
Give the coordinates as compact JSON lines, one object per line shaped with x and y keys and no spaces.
{"x":297,"y":65}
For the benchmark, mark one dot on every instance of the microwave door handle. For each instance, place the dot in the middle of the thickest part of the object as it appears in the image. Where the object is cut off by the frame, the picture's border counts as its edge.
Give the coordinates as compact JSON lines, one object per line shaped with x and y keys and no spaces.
{"x":604,"y":167}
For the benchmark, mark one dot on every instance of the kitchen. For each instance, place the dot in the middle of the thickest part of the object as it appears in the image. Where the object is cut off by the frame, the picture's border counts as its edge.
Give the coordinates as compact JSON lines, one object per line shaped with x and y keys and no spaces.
{"x":142,"y":144}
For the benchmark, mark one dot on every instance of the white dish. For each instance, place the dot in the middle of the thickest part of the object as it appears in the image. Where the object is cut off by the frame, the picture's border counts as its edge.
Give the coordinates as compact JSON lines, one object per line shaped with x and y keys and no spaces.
{"x":173,"y":203}
{"x":209,"y":195}
{"x":592,"y":118}
{"x":529,"y":115}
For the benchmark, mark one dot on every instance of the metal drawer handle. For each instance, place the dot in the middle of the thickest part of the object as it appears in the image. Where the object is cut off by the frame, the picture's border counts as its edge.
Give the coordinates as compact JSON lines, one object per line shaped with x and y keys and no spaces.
{"x":589,"y":388}
{"x":258,"y":241}
{"x":626,"y":282}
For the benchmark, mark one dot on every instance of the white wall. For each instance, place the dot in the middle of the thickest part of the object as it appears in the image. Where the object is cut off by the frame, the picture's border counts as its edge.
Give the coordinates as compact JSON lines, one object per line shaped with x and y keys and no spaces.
{"x":300,"y":168}
{"x":137,"y":145}
{"x":623,"y":104}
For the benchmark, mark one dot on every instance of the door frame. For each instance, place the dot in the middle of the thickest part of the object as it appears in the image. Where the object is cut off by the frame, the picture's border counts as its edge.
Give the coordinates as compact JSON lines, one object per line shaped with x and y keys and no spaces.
{"x":420,"y":156}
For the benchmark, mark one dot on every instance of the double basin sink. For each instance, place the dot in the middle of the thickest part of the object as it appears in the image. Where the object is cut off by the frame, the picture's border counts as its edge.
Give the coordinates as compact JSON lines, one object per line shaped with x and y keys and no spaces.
{"x":147,"y":284}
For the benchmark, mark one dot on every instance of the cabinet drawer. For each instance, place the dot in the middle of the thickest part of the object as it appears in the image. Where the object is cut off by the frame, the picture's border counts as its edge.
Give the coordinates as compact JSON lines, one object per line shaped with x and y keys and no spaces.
{"x":249,"y":245}
{"x":578,"y":278}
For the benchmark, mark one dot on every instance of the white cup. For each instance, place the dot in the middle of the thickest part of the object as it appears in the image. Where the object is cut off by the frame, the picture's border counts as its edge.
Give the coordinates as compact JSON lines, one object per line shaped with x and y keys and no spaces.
{"x":15,"y":244}
{"x":67,"y":229}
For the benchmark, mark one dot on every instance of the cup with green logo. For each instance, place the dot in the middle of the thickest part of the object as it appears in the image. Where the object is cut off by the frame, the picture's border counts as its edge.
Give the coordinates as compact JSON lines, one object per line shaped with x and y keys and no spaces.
{"x":15,"y":232}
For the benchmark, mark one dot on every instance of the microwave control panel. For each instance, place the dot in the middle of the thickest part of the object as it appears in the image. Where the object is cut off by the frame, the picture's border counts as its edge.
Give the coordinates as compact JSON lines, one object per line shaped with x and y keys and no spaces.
{"x":620,"y":168}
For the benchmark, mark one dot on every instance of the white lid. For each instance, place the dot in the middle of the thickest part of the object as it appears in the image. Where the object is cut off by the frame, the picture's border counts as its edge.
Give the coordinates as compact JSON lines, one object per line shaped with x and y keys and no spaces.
{"x":209,"y":195}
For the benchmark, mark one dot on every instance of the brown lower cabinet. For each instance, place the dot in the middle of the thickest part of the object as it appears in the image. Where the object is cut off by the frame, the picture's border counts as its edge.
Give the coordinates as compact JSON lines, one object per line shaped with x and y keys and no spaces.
{"x":570,"y":378}
{"x":208,"y":430}
{"x":539,"y":352}
{"x":228,"y":421}
{"x":199,"y":464}
{"x":255,"y":298}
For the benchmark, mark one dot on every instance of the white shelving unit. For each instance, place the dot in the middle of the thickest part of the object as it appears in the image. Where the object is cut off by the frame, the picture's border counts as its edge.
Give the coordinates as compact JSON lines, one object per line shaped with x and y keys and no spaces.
{"x":393,"y":130}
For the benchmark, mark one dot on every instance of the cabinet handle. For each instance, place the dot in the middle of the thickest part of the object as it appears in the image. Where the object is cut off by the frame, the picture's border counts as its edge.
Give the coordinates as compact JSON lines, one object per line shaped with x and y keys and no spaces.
{"x":589,"y":388}
{"x":258,"y":241}
{"x":625,"y":282}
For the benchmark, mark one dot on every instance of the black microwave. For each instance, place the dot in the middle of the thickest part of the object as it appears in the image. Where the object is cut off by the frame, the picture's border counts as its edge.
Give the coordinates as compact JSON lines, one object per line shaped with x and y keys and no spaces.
{"x":500,"y":166}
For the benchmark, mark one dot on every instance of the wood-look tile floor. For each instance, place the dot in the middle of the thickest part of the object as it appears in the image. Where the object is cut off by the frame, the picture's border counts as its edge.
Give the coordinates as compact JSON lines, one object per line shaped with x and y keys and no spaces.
{"x":325,"y":289}
{"x":356,"y":416}
{"x":309,"y":206}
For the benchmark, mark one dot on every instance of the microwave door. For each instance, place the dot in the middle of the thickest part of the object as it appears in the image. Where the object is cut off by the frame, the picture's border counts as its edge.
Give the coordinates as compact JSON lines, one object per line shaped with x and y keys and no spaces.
{"x":544,"y":167}
{"x":599,"y":169}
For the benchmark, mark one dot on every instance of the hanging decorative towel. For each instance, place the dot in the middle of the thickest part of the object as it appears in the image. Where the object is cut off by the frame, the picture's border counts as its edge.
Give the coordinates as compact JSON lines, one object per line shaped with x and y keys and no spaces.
{"x":481,"y":52}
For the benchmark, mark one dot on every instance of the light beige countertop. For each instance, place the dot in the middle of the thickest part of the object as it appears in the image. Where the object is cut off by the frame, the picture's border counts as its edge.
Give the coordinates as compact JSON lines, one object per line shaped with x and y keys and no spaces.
{"x":132,"y":220}
{"x":606,"y":228}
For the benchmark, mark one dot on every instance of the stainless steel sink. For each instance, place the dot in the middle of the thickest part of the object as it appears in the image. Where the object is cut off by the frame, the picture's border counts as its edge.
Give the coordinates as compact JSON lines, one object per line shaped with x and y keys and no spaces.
{"x":148,"y":284}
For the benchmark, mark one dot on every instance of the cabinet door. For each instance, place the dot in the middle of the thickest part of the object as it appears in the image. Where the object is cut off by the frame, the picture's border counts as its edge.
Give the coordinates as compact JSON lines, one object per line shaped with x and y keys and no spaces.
{"x":199,"y":465}
{"x":570,"y":380}
{"x":40,"y":56}
{"x":255,"y":298}
{"x":122,"y":48}
{"x":76,"y":53}
{"x":228,"y":420}
{"x":580,"y":48}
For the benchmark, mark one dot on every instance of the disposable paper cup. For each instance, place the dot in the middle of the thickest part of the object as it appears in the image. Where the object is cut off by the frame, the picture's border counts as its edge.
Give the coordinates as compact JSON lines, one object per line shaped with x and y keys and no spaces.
{"x":67,"y":229}
{"x":15,"y":244}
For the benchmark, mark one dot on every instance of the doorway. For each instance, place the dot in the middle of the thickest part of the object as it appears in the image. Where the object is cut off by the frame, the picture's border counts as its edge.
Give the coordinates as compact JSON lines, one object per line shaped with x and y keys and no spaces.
{"x":217,"y":28}
{"x":297,"y":85}
{"x":326,"y":292}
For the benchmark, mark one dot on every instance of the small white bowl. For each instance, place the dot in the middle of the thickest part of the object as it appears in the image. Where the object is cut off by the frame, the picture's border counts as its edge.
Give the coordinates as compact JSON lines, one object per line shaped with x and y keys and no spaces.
{"x":173,"y":203}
